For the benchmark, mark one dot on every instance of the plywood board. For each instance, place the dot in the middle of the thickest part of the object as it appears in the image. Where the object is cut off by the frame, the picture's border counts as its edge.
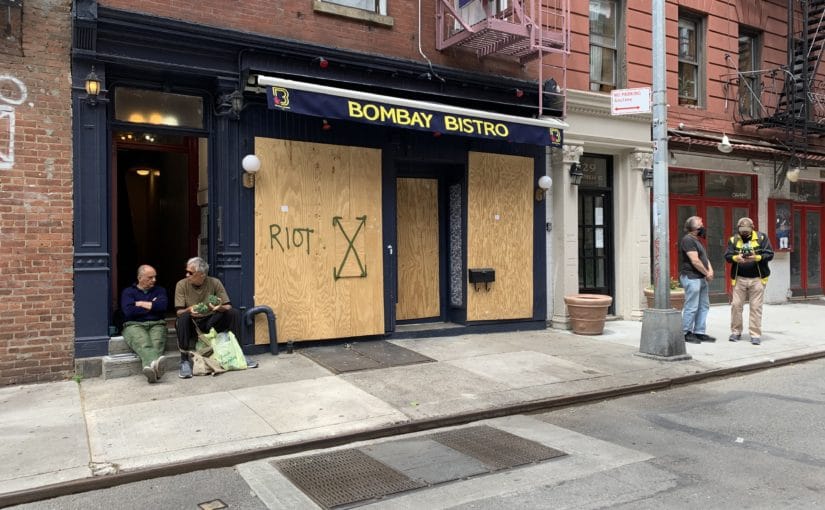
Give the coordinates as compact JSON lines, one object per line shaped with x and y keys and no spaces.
{"x":418,"y":262}
{"x":318,"y":240}
{"x":500,"y":235}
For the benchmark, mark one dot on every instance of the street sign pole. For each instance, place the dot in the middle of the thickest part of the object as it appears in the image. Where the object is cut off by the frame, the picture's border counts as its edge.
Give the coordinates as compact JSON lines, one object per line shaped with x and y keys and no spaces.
{"x":661,"y":326}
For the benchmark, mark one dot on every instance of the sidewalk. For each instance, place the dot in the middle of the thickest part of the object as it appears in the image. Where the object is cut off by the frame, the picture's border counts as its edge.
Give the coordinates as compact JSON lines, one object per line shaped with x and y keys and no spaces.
{"x":65,"y":431}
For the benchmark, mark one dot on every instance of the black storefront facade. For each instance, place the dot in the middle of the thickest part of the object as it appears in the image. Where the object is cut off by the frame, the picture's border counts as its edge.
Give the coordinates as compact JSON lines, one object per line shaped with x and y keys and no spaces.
{"x":208,"y":208}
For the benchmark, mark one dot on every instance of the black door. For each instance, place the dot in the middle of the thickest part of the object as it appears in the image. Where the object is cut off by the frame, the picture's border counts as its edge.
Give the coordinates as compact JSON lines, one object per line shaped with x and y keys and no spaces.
{"x":596,"y":227}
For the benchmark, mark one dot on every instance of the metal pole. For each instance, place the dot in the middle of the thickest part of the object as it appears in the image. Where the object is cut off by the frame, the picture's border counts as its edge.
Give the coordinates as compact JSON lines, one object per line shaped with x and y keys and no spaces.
{"x":661,"y":326}
{"x":661,"y":244}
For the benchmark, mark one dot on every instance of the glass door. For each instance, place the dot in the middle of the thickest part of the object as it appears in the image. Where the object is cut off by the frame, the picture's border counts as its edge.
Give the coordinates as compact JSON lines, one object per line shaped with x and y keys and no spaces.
{"x":806,"y":257}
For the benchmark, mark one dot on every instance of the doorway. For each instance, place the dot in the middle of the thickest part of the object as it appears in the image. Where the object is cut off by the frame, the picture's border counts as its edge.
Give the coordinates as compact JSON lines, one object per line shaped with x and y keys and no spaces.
{"x":156,"y":217}
{"x":429,"y":262}
{"x":595,"y":227}
{"x":806,"y":256}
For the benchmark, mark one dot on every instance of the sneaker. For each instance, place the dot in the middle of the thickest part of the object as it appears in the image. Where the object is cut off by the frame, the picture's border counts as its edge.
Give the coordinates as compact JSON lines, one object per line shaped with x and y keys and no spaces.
{"x":150,"y":374}
{"x":692,"y":339}
{"x":157,"y":366}
{"x":185,"y":370}
{"x":706,"y":338}
{"x":755,"y":340}
{"x":251,"y":363}
{"x":734,"y":337}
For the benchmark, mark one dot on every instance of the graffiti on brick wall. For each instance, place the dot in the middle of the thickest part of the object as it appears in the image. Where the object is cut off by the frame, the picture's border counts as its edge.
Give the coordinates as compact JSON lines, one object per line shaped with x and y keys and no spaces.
{"x":12,"y":93}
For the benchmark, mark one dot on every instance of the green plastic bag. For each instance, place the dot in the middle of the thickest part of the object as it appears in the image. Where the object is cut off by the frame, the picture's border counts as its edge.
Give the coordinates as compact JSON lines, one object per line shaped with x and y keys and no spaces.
{"x":225,"y":349}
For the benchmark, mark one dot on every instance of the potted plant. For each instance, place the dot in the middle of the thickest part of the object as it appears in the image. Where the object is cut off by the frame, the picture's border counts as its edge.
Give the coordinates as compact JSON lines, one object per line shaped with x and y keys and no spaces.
{"x":677,"y":294}
{"x":587,"y":312}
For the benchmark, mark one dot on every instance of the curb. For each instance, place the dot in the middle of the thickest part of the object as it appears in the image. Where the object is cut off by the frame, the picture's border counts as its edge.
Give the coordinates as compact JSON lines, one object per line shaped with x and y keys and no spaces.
{"x":231,"y":459}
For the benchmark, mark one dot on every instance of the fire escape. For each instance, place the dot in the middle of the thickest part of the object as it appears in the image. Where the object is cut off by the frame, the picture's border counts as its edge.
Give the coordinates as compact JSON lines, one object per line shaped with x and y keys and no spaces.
{"x":525,"y":30}
{"x":789,"y":99}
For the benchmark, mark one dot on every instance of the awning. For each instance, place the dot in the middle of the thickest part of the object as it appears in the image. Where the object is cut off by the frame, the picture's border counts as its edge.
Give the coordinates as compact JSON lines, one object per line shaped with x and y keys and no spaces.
{"x":335,"y":103}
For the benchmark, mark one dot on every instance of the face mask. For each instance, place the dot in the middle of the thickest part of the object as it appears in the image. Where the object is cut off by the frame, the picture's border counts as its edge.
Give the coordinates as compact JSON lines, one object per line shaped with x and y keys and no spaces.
{"x":700,"y":232}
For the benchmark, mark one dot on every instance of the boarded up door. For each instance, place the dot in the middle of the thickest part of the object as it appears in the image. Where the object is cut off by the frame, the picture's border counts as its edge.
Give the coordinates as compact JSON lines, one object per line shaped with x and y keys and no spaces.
{"x":500,"y":235}
{"x":318,"y":245}
{"x":418,"y":262}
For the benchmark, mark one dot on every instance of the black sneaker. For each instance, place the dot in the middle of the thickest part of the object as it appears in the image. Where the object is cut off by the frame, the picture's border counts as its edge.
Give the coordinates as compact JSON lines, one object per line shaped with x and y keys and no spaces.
{"x":706,"y":338}
{"x":734,"y":337}
{"x":692,"y":339}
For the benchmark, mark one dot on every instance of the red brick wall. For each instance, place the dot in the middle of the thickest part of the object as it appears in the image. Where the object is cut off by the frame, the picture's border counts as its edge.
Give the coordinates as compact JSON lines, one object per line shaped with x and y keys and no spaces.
{"x":296,"y":20}
{"x":36,"y":299}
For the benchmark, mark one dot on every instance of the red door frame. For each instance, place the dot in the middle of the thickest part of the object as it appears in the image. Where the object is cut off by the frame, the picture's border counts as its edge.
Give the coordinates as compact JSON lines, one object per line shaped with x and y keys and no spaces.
{"x":701,"y":203}
{"x":803,"y":209}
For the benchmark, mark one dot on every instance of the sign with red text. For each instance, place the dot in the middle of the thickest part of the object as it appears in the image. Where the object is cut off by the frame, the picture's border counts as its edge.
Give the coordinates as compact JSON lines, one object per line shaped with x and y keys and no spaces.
{"x":630,"y":101}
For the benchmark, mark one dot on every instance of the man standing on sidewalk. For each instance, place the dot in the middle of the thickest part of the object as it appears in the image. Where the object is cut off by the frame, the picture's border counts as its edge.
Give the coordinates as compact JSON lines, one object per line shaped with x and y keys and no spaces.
{"x":695,"y":272}
{"x":748,"y":254}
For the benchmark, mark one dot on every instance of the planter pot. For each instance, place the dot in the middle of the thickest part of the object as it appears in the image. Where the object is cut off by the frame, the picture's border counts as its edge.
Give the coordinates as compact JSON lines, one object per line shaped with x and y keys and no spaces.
{"x":587,"y":312}
{"x":677,"y":298}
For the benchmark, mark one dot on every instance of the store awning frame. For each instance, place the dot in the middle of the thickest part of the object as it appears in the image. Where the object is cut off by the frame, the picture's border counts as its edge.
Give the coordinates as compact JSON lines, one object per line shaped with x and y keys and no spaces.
{"x":338,"y":103}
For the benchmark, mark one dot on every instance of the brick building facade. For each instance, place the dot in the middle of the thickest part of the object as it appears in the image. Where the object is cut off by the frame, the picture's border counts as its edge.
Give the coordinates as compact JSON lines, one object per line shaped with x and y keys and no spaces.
{"x":36,"y":212}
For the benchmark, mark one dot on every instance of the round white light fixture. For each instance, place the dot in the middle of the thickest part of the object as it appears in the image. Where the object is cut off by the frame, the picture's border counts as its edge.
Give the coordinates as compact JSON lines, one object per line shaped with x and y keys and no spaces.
{"x":793,"y":174}
{"x":545,"y":182}
{"x":251,"y":163}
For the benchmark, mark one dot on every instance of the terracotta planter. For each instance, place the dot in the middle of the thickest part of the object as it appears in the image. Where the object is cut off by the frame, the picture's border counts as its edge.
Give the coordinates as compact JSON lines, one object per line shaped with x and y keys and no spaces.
{"x":587,"y":312}
{"x":677,"y":298}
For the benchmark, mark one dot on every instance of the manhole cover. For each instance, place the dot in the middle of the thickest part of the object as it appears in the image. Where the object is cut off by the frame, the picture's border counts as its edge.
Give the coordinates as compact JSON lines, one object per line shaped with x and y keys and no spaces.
{"x":496,"y":448}
{"x":344,"y":477}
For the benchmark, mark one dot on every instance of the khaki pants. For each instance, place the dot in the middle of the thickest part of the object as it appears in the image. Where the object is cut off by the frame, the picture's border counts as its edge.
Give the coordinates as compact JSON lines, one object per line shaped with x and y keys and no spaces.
{"x":753,"y":291}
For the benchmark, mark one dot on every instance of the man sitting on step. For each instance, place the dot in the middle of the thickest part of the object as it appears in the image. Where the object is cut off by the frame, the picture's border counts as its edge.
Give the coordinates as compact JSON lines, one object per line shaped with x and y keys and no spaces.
{"x":191,"y":294}
{"x":144,"y":328}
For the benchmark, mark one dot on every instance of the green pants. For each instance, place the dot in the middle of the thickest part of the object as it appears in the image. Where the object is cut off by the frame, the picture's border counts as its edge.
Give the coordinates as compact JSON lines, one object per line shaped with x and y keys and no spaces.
{"x":147,"y":339}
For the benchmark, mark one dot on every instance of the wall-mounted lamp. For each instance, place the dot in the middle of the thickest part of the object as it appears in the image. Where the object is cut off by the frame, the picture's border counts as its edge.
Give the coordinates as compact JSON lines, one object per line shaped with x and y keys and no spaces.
{"x":231,"y":104}
{"x":793,"y":174}
{"x":724,"y":145}
{"x":576,"y":174}
{"x":544,"y":184}
{"x":325,"y":125}
{"x":251,"y":164}
{"x":93,"y":88}
{"x":647,"y":177}
{"x":671,"y":160}
{"x":322,"y":62}
{"x":519,"y":93}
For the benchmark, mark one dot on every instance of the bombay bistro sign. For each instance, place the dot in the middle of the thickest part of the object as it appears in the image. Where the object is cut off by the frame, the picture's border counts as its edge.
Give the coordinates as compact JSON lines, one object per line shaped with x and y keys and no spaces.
{"x":330,"y":106}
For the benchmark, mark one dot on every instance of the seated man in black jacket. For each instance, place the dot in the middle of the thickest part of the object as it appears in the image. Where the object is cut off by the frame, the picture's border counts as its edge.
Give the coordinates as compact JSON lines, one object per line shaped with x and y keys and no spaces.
{"x":748,"y":254}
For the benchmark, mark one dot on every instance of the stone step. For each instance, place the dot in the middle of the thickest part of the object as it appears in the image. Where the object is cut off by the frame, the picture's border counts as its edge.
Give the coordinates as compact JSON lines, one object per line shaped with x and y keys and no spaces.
{"x":117,"y":345}
{"x":127,"y":364}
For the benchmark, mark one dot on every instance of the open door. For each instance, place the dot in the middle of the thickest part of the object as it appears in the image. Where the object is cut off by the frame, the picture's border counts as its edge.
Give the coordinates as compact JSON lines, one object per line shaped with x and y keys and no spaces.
{"x":155,"y":215}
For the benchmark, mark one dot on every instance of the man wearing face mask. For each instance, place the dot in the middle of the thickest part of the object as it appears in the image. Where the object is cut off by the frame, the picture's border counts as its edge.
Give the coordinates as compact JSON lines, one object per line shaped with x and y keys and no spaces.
{"x":748,"y":254}
{"x":695,"y":272}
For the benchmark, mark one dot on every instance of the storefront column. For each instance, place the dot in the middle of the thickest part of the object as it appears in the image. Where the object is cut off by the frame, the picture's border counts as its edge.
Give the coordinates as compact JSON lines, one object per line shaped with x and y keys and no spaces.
{"x":633,"y":237}
{"x":92,"y":255}
{"x":565,"y":234}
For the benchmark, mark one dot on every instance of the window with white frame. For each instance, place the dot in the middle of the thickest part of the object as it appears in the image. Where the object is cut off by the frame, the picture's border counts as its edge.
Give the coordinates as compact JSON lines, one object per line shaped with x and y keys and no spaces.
{"x":691,"y":57}
{"x":375,"y":6}
{"x":605,"y":29}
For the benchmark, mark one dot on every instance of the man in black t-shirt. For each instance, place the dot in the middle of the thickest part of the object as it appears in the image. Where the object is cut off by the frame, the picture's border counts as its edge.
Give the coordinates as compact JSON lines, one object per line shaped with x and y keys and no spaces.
{"x":695,"y":272}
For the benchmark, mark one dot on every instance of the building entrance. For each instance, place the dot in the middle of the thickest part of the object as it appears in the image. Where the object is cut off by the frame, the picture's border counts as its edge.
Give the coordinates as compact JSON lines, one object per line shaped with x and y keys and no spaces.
{"x":155,"y":216}
{"x":806,"y":256}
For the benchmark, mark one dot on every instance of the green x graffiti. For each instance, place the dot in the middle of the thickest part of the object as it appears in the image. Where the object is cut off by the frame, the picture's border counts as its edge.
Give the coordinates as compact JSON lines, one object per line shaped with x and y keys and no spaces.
{"x":336,"y":222}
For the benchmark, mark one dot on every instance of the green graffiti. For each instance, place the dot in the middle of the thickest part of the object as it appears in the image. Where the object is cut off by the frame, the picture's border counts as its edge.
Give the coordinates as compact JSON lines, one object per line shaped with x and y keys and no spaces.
{"x":336,"y":222}
{"x":297,"y":238}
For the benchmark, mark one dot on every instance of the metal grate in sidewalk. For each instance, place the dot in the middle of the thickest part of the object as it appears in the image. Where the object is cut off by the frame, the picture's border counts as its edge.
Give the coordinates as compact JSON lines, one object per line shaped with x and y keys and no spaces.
{"x":495,"y":448}
{"x":344,"y":477}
